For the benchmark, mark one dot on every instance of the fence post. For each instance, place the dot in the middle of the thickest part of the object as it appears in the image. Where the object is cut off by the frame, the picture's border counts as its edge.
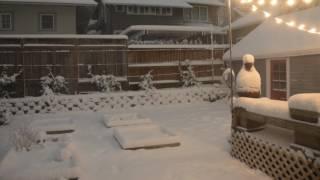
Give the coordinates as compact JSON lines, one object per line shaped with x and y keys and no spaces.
{"x":24,"y":66}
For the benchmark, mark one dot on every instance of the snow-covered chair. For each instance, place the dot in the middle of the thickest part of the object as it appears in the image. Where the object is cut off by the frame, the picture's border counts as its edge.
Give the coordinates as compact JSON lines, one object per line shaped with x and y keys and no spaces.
{"x":305,"y":107}
{"x":251,"y":114}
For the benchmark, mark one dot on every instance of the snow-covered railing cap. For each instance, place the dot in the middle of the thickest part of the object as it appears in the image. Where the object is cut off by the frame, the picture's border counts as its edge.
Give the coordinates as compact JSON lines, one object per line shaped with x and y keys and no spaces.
{"x":155,"y":3}
{"x":52,"y":2}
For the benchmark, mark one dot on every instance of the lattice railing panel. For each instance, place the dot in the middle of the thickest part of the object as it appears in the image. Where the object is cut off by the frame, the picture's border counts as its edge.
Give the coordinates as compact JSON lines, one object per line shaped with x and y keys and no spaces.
{"x":110,"y":101}
{"x":274,"y":160}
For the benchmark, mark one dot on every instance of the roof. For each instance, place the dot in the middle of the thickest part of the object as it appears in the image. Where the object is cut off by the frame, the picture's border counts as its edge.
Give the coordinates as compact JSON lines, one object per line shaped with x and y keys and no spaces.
{"x":56,"y":2}
{"x":171,"y":28}
{"x":165,"y":3}
{"x":206,"y":2}
{"x":161,"y":3}
{"x":61,"y":36}
{"x":271,"y":40}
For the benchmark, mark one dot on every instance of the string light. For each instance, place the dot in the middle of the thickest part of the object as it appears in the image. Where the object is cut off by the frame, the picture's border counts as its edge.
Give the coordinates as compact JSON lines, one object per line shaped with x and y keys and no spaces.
{"x":291,"y":23}
{"x":307,"y":1}
{"x":302,"y":27}
{"x":291,"y":2}
{"x":312,"y":30}
{"x":278,"y":20}
{"x":254,"y":8}
{"x":266,"y":14}
{"x":274,"y":2}
{"x":261,"y":2}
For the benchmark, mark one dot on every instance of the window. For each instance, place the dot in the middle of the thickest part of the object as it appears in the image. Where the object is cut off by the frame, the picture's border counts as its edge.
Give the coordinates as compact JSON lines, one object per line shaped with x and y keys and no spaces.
{"x":143,"y":10}
{"x":6,"y":21}
{"x":197,"y":13}
{"x":119,"y":9}
{"x":47,"y":22}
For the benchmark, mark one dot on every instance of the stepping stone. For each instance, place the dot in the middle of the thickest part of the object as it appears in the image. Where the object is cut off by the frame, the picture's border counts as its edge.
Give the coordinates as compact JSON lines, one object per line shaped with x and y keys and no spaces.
{"x":145,"y":136}
{"x":127,"y":119}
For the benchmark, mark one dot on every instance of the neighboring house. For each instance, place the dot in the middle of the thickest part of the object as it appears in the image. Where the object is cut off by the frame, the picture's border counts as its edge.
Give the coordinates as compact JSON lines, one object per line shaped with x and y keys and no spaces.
{"x":288,"y":59}
{"x":123,"y":13}
{"x":40,"y":16}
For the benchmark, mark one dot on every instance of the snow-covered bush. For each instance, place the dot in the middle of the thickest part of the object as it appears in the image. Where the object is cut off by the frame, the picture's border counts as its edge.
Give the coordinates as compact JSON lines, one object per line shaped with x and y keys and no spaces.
{"x":147,"y":82}
{"x":105,"y":82}
{"x":7,"y":82}
{"x":4,"y":117}
{"x":188,"y":77}
{"x":24,"y":137}
{"x":53,"y":84}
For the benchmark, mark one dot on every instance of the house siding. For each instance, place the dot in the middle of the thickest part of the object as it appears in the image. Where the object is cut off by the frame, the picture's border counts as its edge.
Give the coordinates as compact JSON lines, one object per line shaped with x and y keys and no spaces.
{"x":26,"y":18}
{"x":305,"y":74}
{"x":121,"y":21}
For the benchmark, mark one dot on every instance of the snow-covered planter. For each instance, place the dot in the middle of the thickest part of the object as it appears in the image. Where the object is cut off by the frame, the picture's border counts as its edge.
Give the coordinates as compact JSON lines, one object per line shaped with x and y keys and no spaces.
{"x":53,"y":84}
{"x":105,"y":82}
{"x":147,"y":82}
{"x":188,"y":77}
{"x":7,"y":82}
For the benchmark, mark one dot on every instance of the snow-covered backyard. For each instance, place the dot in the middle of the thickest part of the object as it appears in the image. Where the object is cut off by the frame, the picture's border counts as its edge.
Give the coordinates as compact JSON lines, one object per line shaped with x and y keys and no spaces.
{"x":203,"y":129}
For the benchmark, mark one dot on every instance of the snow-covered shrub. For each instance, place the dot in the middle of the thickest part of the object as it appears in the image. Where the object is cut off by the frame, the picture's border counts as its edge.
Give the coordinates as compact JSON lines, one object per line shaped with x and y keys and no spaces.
{"x":188,"y":77}
{"x":24,"y":137}
{"x":53,"y":84}
{"x":7,"y":82}
{"x":147,"y":82}
{"x":105,"y":82}
{"x":4,"y":117}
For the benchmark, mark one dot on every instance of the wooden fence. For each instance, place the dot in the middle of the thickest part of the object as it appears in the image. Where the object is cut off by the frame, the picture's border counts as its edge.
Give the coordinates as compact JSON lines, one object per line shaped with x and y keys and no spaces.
{"x":68,"y":56}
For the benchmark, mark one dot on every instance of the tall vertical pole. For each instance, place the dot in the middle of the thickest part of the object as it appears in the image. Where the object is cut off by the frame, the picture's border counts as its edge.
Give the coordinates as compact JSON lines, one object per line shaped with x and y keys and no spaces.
{"x":230,"y":50}
{"x":212,"y":56}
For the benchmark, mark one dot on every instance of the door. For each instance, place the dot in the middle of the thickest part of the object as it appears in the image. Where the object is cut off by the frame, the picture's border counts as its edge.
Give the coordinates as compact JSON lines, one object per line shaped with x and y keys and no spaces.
{"x":278,"y":78}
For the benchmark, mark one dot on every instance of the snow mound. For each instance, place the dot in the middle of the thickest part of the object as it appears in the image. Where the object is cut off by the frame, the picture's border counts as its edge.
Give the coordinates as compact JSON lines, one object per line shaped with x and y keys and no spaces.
{"x":248,"y":81}
{"x":41,"y":163}
{"x":308,"y":102}
{"x":126,"y":119}
{"x":54,"y":125}
{"x":145,"y":136}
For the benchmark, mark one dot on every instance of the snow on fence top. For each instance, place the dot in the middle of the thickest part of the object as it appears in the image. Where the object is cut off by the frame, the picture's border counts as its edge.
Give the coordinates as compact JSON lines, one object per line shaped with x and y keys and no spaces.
{"x":208,"y":29}
{"x":178,"y":46}
{"x":61,"y":36}
{"x":55,"y":2}
{"x":271,"y":40}
{"x":161,"y":3}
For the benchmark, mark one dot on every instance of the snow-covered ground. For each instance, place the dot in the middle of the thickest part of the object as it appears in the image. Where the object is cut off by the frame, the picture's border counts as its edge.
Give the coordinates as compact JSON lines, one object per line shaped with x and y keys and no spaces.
{"x":203,"y":129}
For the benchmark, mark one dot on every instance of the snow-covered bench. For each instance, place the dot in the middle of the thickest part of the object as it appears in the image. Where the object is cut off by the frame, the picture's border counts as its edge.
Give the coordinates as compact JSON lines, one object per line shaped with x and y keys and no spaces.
{"x":250,"y":114}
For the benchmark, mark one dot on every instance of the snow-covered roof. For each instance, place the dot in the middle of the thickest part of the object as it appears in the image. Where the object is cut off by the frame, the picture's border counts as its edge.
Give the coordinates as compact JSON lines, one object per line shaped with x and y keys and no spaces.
{"x":161,"y":3}
{"x":207,"y":2}
{"x":56,"y":2}
{"x":62,"y":36}
{"x":186,"y":28}
{"x":271,"y":40}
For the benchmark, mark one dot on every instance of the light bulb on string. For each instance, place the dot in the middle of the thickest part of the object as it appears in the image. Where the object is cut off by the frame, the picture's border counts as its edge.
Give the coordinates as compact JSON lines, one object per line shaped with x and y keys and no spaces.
{"x":307,"y":1}
{"x":278,"y":20}
{"x":254,"y":8}
{"x":302,"y":27}
{"x":291,"y":24}
{"x":274,"y":2}
{"x":312,"y":30}
{"x":291,"y":2}
{"x":266,"y":14}
{"x":261,"y":2}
